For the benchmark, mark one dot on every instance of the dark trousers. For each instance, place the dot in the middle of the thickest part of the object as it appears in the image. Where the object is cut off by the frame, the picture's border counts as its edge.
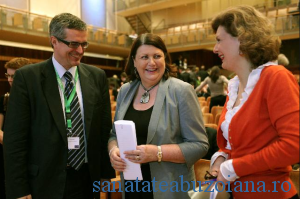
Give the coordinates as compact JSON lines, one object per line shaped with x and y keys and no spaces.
{"x":78,"y":184}
{"x":217,"y":100}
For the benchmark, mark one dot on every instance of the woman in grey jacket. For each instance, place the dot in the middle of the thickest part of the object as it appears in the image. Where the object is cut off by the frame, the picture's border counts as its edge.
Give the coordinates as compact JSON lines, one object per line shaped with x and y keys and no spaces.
{"x":170,"y":131}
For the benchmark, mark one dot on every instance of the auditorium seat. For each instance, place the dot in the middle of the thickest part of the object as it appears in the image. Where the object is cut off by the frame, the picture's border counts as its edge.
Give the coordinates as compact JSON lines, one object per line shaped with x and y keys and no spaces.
{"x":200,"y":168}
{"x":205,"y":109}
{"x":201,"y":98}
{"x":37,"y":23}
{"x":100,"y":35}
{"x":121,"y":40}
{"x":217,"y":118}
{"x":202,"y":103}
{"x":208,"y":100}
{"x":207,"y":118}
{"x":18,"y":19}
{"x":215,"y":110}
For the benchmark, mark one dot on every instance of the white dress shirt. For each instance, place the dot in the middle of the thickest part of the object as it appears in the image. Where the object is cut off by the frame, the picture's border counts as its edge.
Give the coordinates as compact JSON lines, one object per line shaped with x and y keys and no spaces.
{"x":61,"y":71}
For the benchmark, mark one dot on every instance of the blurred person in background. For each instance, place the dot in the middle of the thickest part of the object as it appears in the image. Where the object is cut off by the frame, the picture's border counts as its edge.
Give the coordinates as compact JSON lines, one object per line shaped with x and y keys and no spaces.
{"x":216,"y":84}
{"x":283,"y":60}
{"x":11,"y":67}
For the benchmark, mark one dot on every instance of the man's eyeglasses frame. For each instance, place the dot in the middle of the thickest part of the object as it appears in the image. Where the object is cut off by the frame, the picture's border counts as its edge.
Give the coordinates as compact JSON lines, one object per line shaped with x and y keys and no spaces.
{"x":73,"y":44}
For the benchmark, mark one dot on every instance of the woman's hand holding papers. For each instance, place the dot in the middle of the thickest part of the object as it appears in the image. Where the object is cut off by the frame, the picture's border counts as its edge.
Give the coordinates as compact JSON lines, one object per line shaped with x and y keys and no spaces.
{"x":116,"y":161}
{"x":142,"y":154}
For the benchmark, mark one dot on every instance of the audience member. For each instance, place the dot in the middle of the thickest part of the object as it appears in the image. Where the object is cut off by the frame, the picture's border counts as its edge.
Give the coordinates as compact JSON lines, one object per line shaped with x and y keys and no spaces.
{"x":11,"y":67}
{"x":258,"y":134}
{"x":179,"y":61}
{"x":204,"y":92}
{"x":115,"y":81}
{"x":167,"y":116}
{"x":133,"y":35}
{"x":216,"y":83}
{"x":195,"y":71}
{"x":185,"y":63}
{"x":124,"y":78}
{"x":202,"y":73}
{"x":283,"y":60}
{"x":188,"y":77}
{"x":52,"y":147}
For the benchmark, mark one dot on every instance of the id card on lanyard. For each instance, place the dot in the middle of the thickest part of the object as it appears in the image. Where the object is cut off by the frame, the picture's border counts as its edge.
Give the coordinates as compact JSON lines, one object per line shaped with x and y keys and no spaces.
{"x":73,"y":142}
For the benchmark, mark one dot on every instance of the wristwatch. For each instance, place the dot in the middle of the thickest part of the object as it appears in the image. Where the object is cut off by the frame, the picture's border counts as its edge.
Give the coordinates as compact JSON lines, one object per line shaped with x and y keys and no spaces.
{"x":159,"y":154}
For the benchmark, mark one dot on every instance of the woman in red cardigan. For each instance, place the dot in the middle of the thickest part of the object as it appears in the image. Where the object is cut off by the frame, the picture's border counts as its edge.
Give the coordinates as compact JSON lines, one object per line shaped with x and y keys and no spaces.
{"x":258,"y":133}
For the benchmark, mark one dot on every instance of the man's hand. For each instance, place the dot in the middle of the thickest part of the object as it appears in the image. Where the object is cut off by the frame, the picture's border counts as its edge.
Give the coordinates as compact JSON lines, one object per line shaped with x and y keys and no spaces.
{"x":26,"y":197}
{"x":1,"y":137}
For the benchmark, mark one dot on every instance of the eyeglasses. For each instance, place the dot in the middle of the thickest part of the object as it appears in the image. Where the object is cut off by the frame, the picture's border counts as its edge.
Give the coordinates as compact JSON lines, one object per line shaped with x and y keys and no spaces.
{"x":209,"y":176}
{"x":74,"y":44}
{"x":9,"y":76}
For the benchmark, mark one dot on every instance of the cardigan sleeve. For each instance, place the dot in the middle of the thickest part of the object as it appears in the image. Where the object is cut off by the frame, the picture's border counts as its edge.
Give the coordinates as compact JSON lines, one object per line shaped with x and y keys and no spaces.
{"x":282,"y":98}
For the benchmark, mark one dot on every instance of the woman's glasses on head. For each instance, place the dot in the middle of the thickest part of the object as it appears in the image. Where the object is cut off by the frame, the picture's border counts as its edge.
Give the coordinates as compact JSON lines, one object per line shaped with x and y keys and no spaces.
{"x":209,"y":176}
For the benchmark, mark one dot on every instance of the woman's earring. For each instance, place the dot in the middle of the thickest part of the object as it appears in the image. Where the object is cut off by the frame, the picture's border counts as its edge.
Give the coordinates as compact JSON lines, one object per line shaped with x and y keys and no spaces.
{"x":136,"y":73}
{"x":240,"y":53}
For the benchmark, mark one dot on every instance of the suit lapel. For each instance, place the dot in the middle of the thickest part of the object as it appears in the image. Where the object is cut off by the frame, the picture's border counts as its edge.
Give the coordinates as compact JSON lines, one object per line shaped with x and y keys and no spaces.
{"x":51,"y":92}
{"x":158,"y":108}
{"x":87,"y":96}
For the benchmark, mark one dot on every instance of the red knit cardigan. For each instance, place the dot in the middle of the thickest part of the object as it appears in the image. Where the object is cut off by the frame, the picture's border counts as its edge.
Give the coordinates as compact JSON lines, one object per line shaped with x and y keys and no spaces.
{"x":264,"y":136}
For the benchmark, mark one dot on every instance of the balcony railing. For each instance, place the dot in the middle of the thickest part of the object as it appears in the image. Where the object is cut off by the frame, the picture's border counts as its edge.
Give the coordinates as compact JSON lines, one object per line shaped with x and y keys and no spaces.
{"x":127,"y":4}
{"x":202,"y":34}
{"x":193,"y":34}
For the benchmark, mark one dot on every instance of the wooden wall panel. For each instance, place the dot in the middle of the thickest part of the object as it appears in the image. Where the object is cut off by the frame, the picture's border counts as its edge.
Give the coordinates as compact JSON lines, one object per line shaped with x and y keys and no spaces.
{"x":198,"y":58}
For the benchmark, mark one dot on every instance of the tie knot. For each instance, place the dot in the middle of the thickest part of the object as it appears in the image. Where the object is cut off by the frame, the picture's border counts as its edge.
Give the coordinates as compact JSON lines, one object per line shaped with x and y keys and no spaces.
{"x":68,"y":76}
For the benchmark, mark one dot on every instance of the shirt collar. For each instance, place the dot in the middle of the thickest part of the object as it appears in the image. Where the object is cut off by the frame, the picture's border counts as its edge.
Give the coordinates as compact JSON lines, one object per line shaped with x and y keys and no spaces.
{"x":252,"y":81}
{"x":61,"y":70}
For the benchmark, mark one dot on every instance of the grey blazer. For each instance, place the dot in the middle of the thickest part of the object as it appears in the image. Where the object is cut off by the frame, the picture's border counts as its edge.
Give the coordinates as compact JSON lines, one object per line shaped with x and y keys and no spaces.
{"x":176,"y":119}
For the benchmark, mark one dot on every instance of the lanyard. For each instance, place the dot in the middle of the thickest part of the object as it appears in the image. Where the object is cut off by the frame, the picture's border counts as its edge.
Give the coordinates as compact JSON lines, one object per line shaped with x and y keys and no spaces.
{"x":68,"y":101}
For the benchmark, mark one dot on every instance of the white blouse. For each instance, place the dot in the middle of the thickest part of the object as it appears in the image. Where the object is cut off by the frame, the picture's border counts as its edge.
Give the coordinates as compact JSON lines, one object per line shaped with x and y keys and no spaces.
{"x":226,"y":167}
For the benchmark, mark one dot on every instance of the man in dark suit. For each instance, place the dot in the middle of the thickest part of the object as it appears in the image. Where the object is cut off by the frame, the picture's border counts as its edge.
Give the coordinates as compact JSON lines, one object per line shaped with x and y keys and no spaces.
{"x":202,"y":73}
{"x":58,"y":121}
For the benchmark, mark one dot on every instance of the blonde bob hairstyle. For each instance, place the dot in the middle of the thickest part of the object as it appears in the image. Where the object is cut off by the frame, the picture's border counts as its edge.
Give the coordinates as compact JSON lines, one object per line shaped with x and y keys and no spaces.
{"x":258,"y":41}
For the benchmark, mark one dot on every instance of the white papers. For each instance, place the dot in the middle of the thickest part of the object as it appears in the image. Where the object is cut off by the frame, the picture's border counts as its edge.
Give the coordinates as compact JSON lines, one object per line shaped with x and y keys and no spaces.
{"x":213,"y":195}
{"x":126,"y":137}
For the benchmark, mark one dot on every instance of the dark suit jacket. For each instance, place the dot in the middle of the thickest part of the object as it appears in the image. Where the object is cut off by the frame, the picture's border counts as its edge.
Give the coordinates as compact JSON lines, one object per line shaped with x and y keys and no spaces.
{"x":35,"y":134}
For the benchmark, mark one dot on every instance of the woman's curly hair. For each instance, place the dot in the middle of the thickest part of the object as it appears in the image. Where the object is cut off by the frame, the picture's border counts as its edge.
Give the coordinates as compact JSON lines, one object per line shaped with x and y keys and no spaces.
{"x":258,"y":40}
